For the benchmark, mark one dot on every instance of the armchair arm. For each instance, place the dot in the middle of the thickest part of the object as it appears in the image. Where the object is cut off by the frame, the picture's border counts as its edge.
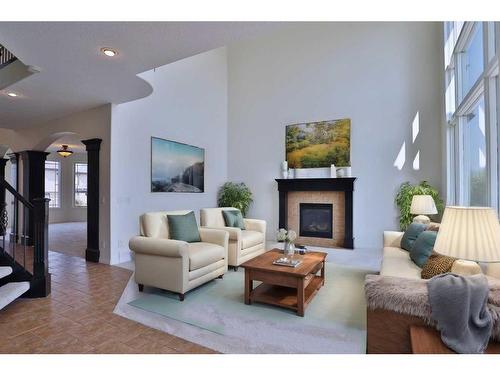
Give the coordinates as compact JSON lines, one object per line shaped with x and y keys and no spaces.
{"x":392,"y":238}
{"x":255,"y":224}
{"x":234,"y":233}
{"x":215,"y":236}
{"x":158,"y":246}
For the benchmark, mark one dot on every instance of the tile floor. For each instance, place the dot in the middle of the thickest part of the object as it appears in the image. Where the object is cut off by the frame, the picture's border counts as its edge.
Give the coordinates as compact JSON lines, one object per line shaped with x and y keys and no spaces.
{"x":78,"y":316}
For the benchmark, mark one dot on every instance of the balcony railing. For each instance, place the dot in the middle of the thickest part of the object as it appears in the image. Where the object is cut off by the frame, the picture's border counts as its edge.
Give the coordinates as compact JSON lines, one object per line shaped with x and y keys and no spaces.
{"x":6,"y":57}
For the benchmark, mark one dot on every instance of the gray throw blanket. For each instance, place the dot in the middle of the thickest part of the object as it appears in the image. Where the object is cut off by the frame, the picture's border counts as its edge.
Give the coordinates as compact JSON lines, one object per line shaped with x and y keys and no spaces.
{"x":459,"y":306}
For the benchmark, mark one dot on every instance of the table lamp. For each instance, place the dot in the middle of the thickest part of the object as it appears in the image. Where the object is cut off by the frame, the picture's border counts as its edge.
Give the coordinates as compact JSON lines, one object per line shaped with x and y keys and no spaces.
{"x":469,"y":234}
{"x":422,"y":205}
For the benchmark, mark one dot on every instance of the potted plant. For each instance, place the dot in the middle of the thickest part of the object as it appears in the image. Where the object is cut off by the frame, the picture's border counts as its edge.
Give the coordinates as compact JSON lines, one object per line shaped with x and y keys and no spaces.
{"x":236,"y":195}
{"x":405,"y":196}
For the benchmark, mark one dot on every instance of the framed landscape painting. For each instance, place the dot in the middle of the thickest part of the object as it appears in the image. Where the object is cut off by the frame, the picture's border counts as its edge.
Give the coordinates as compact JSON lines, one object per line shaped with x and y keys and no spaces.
{"x":319,"y":144}
{"x":176,"y":167}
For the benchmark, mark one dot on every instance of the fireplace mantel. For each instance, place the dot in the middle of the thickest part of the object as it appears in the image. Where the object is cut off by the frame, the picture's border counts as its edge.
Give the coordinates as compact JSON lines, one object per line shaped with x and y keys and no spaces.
{"x":345,"y":184}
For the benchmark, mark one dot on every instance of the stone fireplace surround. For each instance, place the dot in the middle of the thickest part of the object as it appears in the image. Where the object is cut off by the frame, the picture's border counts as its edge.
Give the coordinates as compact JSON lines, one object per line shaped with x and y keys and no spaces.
{"x":337,"y":191}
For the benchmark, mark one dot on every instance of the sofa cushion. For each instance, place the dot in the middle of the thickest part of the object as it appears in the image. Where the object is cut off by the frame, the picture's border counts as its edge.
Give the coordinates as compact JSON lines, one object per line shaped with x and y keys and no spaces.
{"x":422,"y":247}
{"x":233,"y":218}
{"x":411,"y":234}
{"x":396,"y":262}
{"x":251,"y":238}
{"x":202,"y":254}
{"x":436,"y":265}
{"x":183,"y":227}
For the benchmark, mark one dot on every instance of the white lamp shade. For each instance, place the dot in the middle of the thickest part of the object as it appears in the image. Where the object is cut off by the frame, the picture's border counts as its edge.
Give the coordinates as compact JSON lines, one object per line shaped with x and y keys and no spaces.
{"x":470,"y":233}
{"x":423,"y":205}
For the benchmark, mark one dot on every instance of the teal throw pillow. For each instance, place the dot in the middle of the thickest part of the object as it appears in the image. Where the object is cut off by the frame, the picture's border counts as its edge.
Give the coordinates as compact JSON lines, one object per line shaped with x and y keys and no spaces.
{"x":183,"y":227}
{"x":422,"y":248}
{"x":411,"y":234}
{"x":233,"y":218}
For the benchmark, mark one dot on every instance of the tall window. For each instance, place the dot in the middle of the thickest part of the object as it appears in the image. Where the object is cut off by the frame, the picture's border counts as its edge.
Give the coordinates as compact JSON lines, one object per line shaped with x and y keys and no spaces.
{"x":80,"y":196}
{"x":472,"y":104}
{"x":52,"y":183}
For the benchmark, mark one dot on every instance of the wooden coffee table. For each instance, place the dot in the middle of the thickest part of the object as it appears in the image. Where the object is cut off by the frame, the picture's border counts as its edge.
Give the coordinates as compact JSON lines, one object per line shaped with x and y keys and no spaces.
{"x":291,"y":288}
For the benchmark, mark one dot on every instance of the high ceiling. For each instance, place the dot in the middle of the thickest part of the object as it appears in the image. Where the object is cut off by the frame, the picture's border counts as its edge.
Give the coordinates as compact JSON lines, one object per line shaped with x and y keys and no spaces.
{"x":75,"y":75}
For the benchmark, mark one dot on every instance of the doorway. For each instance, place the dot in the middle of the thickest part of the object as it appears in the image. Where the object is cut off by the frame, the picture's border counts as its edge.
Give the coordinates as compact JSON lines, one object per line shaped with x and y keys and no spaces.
{"x":66,"y":185}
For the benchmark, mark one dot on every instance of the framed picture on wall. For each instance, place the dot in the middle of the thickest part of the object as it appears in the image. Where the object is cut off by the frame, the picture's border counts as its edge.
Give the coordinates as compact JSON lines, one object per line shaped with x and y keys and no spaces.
{"x":176,"y":167}
{"x":319,"y":144}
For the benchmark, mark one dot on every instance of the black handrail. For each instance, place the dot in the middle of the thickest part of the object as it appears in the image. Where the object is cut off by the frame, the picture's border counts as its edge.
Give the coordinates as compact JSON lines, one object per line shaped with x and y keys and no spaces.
{"x":6,"y":57}
{"x":14,"y":192}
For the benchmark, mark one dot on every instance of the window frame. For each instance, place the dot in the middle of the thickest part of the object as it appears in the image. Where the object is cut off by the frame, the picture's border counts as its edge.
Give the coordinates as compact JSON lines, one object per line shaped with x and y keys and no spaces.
{"x":74,"y":183}
{"x":58,"y":191}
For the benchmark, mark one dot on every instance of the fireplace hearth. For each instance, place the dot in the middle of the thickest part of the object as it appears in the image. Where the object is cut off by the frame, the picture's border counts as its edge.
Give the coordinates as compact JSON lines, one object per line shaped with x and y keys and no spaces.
{"x":316,"y":220}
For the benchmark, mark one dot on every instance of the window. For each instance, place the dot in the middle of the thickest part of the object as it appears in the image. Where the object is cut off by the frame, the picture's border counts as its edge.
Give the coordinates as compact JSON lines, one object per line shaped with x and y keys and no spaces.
{"x":80,"y":196}
{"x":52,"y":183}
{"x":471,"y":60}
{"x":472,"y":105}
{"x":475,"y":156}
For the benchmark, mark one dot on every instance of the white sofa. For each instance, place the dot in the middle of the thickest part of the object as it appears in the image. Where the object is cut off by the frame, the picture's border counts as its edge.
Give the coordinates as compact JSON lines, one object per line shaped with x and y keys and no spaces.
{"x":396,"y":261}
{"x":243,"y":244}
{"x":173,"y":265}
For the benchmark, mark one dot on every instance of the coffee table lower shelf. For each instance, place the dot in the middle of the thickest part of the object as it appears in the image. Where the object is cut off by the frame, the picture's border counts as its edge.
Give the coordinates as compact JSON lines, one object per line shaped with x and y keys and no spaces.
{"x":283,"y":296}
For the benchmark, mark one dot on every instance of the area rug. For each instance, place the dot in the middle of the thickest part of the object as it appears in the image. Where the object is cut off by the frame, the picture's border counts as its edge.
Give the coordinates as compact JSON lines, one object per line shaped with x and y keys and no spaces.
{"x":215,"y":316}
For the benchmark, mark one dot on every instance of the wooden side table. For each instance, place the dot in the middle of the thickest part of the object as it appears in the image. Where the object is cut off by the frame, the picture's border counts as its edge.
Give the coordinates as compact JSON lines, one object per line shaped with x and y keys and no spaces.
{"x":427,"y":340}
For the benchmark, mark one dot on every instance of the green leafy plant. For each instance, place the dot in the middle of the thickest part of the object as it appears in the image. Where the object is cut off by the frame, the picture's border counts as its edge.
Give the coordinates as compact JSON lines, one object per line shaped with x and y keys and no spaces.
{"x":405,"y":196}
{"x":236,"y":195}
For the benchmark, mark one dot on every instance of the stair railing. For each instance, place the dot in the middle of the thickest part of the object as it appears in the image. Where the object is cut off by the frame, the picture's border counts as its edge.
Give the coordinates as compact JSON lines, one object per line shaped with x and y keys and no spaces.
{"x":33,"y":264}
{"x":6,"y":57}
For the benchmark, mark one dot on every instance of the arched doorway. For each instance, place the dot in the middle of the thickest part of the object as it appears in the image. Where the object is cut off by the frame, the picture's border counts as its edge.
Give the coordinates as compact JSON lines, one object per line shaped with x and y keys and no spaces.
{"x":66,"y":185}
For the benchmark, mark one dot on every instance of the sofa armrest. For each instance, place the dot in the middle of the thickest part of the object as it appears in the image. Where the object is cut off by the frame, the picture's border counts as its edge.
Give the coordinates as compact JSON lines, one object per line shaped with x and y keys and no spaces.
{"x":256,"y":225}
{"x":234,"y":233}
{"x":158,"y":246}
{"x":215,"y":236}
{"x":392,"y":238}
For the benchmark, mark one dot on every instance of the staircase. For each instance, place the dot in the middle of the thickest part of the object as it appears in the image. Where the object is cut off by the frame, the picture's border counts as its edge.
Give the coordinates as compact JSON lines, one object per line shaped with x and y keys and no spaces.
{"x":11,"y":291}
{"x":23,"y":246}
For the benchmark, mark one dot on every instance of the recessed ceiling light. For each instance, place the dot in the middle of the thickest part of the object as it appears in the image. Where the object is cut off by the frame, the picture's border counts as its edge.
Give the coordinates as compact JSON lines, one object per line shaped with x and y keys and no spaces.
{"x":12,"y":94}
{"x":110,"y":52}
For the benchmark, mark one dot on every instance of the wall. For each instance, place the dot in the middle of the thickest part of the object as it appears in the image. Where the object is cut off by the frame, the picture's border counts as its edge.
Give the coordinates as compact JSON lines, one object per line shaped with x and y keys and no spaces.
{"x":67,"y":212}
{"x":189,"y":105}
{"x":380,"y":75}
{"x":92,"y":123}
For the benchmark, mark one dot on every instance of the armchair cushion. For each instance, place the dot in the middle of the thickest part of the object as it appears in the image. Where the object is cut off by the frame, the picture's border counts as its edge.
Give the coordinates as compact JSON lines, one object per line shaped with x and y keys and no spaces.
{"x":233,"y":218}
{"x":251,"y":238}
{"x":183,"y":227}
{"x":202,"y":254}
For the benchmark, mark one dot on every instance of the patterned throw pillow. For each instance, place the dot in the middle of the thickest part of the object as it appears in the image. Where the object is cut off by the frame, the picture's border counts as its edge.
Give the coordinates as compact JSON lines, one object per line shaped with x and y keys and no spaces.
{"x":436,"y":265}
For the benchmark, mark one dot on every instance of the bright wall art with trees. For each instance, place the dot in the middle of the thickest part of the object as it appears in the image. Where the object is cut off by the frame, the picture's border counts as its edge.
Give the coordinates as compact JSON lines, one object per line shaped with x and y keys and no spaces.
{"x":319,"y":144}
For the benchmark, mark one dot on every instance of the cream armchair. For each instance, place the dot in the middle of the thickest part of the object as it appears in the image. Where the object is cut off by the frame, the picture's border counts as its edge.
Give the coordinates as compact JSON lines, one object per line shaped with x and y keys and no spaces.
{"x":173,"y":265}
{"x":243,"y":244}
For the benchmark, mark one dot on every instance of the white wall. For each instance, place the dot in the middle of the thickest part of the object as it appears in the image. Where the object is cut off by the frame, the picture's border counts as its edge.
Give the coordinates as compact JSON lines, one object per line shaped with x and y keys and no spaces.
{"x":380,"y":75}
{"x":67,"y":212}
{"x":189,"y":105}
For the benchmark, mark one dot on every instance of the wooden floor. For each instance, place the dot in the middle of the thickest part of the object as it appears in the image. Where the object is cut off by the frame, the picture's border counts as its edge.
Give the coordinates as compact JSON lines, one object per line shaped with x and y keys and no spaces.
{"x":78,"y":316}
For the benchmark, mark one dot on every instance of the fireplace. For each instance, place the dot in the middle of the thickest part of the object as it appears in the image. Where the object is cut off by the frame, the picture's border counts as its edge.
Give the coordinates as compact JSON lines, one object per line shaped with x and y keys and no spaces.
{"x":331,"y":200}
{"x":316,"y":220}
